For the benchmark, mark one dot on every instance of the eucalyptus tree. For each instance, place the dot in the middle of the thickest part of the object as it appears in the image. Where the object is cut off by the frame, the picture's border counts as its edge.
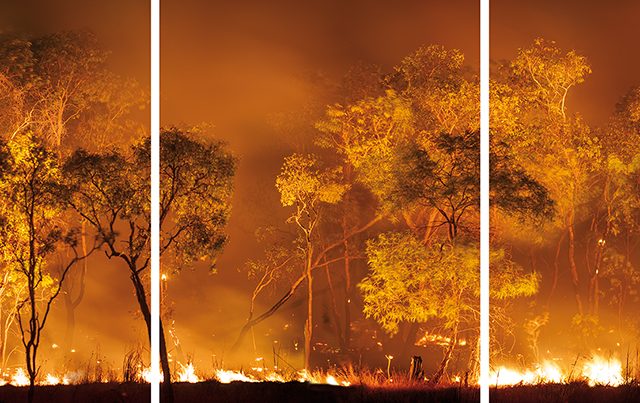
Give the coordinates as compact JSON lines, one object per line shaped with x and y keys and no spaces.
{"x":111,"y":192}
{"x":60,"y":87}
{"x":32,"y":204}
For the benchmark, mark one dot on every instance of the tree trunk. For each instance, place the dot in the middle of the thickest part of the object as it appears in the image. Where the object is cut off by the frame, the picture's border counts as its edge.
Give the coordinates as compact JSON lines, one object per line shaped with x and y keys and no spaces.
{"x":308,"y":330}
{"x":167,"y":388}
{"x":415,"y":369}
{"x":71,"y":323}
{"x":572,"y":261}
{"x":409,"y":339}
{"x":31,"y":392}
{"x":274,"y":308}
{"x":3,"y":345}
{"x":347,"y":289}
{"x":556,"y":268}
{"x":447,"y":357}
{"x":473,"y":368}
{"x":71,"y":304}
{"x":334,"y":309}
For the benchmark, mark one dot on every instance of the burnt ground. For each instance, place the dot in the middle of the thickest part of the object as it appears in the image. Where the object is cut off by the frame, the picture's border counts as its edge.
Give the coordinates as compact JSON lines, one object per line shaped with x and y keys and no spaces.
{"x":239,"y":392}
{"x":295,"y":392}
{"x":573,"y":392}
{"x":89,"y":392}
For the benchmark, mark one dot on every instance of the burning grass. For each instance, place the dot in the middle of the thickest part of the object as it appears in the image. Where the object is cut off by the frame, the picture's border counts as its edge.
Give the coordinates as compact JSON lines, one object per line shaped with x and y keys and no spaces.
{"x":595,"y":378}
{"x":547,"y":383}
{"x":595,"y":370}
{"x":258,"y":383}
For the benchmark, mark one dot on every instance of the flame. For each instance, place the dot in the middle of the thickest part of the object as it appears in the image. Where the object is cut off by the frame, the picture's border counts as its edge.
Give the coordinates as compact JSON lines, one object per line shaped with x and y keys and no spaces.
{"x":601,"y":371}
{"x":52,"y":380}
{"x":549,"y":372}
{"x":437,"y":339}
{"x":505,"y":376}
{"x":596,"y":371}
{"x":20,"y":378}
{"x":228,"y":376}
{"x":331,"y":380}
{"x":318,"y":378}
{"x":148,"y":376}
{"x":188,"y":374}
{"x":274,"y":377}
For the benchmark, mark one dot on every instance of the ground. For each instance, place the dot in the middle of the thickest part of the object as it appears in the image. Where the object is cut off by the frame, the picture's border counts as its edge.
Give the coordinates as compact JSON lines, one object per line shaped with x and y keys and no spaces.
{"x":575,"y":392}
{"x":295,"y":392}
{"x":238,"y":392}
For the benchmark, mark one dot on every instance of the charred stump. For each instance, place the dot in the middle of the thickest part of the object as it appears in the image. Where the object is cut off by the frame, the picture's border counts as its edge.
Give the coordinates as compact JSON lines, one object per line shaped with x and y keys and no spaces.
{"x":416,"y":373}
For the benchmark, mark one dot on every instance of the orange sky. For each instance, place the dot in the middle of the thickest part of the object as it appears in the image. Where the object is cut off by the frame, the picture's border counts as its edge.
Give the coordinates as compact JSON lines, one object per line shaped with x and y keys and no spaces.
{"x":234,"y":63}
{"x":606,"y":32}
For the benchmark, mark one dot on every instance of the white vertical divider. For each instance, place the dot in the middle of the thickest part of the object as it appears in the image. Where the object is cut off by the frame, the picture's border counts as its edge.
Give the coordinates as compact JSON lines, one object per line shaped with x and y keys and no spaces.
{"x":484,"y":201}
{"x":155,"y":200}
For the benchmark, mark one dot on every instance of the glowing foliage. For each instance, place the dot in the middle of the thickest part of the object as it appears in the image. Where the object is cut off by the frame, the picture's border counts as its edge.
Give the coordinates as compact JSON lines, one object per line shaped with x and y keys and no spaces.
{"x":196,"y":188}
{"x":31,"y":211}
{"x":301,"y":182}
{"x":195,"y":204}
{"x":411,"y":282}
{"x":60,"y":87}
{"x":547,"y":74}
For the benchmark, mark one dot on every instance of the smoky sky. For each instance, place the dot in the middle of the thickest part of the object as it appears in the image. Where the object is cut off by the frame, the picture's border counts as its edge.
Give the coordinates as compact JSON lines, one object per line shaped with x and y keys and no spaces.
{"x":235,"y":64}
{"x":122,"y":26}
{"x":606,"y":32}
{"x":232,"y":64}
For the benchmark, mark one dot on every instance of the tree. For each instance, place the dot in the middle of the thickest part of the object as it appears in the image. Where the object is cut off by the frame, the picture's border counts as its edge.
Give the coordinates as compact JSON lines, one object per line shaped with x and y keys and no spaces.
{"x":554,"y":148}
{"x":430,"y":100}
{"x":60,"y":87}
{"x":32,"y":203}
{"x":617,"y":209}
{"x":276,"y":265}
{"x":416,"y":149}
{"x":307,"y":188}
{"x":320,"y":260}
{"x":112,"y":195}
{"x":12,"y":290}
{"x":409,"y":282}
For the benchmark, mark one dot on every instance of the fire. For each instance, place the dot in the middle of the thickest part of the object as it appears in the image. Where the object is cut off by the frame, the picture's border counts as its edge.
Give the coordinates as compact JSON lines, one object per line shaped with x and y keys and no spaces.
{"x":52,"y":380}
{"x":504,"y":376}
{"x":228,"y":376}
{"x":274,"y":377}
{"x":601,"y":371}
{"x":596,"y":371}
{"x":148,"y":376}
{"x":437,"y":339}
{"x":331,"y":380}
{"x":549,"y":372}
{"x":20,"y":378}
{"x":188,"y":374}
